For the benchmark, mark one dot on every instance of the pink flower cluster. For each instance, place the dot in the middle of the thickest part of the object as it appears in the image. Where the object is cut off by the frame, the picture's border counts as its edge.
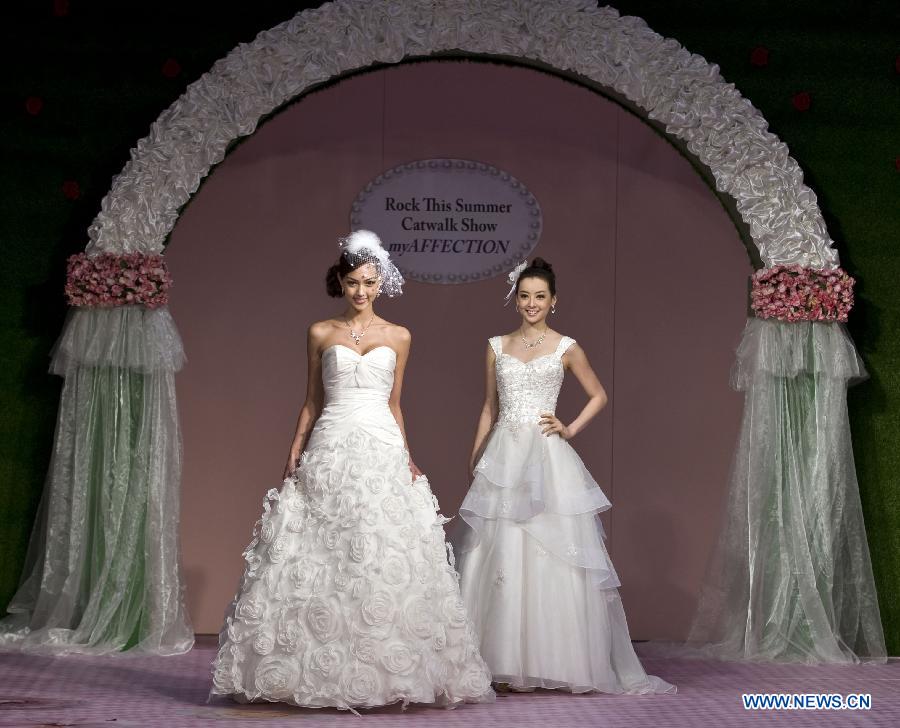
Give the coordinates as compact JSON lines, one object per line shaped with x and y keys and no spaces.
{"x":795,"y":293}
{"x":117,"y":280}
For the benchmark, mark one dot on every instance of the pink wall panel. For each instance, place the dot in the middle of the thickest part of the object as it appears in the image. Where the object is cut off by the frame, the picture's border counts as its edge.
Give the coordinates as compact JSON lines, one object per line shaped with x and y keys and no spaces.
{"x":681,"y":280}
{"x":626,"y":223}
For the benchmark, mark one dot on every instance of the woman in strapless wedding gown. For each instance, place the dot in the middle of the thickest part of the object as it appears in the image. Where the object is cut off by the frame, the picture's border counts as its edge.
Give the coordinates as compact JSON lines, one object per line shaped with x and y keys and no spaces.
{"x":536,"y":577}
{"x":348,"y":598}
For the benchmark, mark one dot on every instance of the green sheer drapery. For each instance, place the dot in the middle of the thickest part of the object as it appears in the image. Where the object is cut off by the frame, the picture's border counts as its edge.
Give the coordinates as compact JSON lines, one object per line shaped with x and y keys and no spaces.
{"x":791,"y":578}
{"x":102,"y":573}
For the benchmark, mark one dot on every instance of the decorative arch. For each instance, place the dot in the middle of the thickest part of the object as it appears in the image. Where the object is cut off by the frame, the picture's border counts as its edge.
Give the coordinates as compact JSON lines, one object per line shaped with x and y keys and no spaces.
{"x":679,"y":90}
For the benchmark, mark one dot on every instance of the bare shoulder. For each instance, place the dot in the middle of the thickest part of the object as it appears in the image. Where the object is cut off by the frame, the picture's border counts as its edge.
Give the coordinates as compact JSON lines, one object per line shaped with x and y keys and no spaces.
{"x":554,"y":338}
{"x":398,"y":336}
{"x":402,"y":334}
{"x":395,"y":330}
{"x":319,"y":331}
{"x":507,"y":340}
{"x":574,"y":353}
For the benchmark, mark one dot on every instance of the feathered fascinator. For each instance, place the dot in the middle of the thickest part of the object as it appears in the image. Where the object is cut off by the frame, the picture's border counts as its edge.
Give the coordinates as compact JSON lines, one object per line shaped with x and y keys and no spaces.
{"x":513,"y":278}
{"x":364,"y":246}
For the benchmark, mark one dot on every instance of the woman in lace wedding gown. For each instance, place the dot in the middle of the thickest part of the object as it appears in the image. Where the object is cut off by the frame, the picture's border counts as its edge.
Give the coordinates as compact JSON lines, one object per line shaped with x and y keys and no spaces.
{"x":535,"y":574}
{"x":348,"y":598}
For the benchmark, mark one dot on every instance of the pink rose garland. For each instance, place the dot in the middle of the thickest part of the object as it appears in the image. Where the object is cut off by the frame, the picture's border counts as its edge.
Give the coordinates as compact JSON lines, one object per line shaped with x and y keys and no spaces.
{"x":117,"y":280}
{"x":795,"y":293}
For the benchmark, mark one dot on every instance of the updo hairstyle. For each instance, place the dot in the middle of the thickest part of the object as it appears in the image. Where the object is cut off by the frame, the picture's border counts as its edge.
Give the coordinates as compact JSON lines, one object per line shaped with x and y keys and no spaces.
{"x":539,"y":268}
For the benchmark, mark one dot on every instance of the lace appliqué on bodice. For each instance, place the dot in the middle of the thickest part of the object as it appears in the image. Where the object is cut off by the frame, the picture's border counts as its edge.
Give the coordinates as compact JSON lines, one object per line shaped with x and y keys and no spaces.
{"x":526,"y":389}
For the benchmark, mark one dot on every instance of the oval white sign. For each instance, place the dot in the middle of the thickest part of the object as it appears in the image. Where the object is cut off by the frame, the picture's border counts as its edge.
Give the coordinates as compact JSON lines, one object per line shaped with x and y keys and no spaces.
{"x":450,"y":220}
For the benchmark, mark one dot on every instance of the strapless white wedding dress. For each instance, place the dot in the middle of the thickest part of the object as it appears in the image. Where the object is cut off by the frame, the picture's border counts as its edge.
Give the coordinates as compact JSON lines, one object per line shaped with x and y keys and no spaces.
{"x":536,"y":577}
{"x":348,"y":598}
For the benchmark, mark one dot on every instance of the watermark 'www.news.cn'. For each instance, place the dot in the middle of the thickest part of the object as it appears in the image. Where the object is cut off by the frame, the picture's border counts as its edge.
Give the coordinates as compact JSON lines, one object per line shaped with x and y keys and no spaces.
{"x":806,"y":701}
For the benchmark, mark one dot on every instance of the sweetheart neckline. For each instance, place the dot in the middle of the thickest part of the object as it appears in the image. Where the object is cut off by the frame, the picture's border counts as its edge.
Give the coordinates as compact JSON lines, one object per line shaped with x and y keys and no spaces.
{"x":360,"y":354}
{"x":530,"y":361}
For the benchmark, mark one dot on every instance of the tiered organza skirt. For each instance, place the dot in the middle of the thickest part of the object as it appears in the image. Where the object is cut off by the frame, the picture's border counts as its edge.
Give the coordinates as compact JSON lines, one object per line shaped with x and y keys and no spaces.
{"x":536,"y":577}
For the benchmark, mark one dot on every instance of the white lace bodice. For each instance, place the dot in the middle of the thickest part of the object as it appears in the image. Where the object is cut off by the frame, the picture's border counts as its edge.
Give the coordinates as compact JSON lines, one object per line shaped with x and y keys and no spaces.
{"x":528,"y":388}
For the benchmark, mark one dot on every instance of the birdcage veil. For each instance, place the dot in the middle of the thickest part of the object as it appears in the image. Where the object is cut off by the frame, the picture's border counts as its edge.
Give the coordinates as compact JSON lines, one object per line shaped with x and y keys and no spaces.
{"x":364,"y":246}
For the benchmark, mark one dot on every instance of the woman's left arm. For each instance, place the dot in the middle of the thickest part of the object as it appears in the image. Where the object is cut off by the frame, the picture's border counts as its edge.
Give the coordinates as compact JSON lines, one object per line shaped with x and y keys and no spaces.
{"x":402,"y":340}
{"x":576,"y":360}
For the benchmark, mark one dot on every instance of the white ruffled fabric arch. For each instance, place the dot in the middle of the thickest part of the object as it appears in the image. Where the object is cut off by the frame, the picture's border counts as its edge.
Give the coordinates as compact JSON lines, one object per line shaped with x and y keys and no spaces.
{"x":679,"y":89}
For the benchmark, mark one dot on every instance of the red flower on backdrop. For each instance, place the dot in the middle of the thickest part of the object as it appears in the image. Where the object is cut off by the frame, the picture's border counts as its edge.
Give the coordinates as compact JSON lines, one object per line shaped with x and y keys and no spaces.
{"x":802,"y":101}
{"x":897,"y":164}
{"x":60,"y":8}
{"x":117,"y":280}
{"x":71,"y":189}
{"x":759,"y":56}
{"x":34,"y":104}
{"x":897,"y":64}
{"x":171,"y":68}
{"x":795,"y":293}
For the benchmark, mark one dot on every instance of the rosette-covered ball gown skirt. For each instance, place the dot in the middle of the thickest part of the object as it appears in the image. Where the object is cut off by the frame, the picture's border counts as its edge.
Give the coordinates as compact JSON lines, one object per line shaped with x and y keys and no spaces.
{"x":349,"y":598}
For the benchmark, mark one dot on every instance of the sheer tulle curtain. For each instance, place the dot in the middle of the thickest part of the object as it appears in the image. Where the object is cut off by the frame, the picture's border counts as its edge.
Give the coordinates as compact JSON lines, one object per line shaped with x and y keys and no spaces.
{"x":102,"y":572}
{"x":791,"y":578}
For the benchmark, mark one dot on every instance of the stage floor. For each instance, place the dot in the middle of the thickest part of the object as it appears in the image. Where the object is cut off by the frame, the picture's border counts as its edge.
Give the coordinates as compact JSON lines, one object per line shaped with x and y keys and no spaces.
{"x":172,"y":691}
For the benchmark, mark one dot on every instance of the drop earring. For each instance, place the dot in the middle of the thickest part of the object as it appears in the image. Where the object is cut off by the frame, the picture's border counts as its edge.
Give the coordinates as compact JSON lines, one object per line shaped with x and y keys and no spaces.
{"x":553,"y":308}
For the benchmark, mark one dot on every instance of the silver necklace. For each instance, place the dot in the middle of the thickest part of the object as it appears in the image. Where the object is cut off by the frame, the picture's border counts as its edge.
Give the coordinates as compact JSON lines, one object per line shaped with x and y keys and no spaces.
{"x":357,"y":337}
{"x":539,"y":341}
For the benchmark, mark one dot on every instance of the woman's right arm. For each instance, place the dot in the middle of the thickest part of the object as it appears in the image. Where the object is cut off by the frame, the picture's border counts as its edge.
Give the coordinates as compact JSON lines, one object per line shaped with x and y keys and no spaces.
{"x":488,"y":411}
{"x":315,"y":397}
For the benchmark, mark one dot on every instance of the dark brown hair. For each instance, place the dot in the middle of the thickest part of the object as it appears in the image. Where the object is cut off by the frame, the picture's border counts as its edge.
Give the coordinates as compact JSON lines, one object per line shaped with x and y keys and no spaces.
{"x":334,"y":276}
{"x":539,"y":268}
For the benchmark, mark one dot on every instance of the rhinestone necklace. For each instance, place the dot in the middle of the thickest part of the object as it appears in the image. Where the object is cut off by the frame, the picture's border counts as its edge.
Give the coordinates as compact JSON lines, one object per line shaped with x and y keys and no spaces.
{"x":357,"y":337}
{"x":539,"y":341}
